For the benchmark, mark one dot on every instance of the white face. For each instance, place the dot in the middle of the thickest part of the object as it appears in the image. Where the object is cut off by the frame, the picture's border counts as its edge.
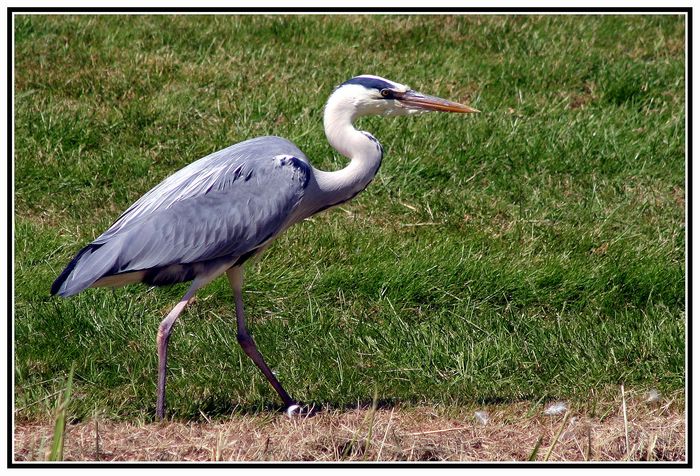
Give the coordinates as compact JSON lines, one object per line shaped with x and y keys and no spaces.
{"x":372,"y":95}
{"x":368,"y":99}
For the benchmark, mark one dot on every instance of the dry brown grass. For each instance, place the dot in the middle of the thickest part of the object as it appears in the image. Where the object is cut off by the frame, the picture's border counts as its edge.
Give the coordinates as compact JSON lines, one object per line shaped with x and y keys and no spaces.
{"x":655,"y":432}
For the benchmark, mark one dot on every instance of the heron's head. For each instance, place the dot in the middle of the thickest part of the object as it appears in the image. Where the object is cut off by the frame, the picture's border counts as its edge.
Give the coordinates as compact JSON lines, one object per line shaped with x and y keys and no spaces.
{"x":372,"y":95}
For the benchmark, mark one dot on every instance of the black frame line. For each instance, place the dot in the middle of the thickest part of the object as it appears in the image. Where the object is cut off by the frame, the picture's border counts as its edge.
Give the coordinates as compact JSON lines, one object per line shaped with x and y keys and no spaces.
{"x":687,"y":11}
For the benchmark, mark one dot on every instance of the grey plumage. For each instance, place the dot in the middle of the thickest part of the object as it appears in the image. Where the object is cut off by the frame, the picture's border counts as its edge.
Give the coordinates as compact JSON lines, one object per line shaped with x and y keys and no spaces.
{"x":215,"y":210}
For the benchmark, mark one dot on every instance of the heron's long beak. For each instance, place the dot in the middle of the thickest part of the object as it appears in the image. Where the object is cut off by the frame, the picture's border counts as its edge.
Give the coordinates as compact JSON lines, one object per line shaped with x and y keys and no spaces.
{"x":416,"y":100}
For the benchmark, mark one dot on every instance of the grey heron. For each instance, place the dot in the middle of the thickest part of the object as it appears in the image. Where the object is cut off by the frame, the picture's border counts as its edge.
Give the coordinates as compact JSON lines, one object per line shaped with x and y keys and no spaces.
{"x":211,"y":216}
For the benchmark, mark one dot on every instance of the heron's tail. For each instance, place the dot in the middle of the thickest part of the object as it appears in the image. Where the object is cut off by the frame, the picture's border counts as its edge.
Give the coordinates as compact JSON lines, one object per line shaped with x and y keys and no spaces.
{"x":90,"y":264}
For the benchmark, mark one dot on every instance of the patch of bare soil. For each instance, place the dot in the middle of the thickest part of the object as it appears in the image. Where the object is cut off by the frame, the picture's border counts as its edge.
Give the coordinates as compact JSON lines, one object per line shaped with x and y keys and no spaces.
{"x":654,"y":431}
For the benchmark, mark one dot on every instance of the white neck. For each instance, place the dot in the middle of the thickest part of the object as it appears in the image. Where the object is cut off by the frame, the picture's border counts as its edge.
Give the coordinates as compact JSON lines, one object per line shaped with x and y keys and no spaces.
{"x":361,"y":148}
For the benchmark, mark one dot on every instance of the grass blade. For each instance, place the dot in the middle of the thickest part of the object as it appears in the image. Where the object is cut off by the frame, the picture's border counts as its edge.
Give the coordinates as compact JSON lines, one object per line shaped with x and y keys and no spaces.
{"x":59,"y":430}
{"x":624,"y":418}
{"x":97,"y":436}
{"x":535,"y":450}
{"x":556,"y":438}
{"x":370,"y":417}
{"x":589,"y":448}
{"x":386,"y":432}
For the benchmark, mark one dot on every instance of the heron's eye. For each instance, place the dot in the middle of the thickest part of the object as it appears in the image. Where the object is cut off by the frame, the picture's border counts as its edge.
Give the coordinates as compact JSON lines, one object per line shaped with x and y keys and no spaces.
{"x":385,"y":93}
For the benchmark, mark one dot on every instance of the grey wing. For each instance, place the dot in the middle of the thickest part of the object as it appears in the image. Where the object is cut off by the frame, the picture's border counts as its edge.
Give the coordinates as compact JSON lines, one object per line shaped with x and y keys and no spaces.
{"x":216,"y":171}
{"x":218,"y":209}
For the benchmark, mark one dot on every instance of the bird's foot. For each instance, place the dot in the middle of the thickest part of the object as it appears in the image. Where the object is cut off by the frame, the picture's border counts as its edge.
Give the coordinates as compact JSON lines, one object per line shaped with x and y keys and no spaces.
{"x":298,"y":410}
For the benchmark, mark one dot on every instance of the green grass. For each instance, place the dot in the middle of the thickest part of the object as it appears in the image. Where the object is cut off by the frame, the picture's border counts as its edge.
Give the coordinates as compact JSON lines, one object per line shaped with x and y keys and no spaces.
{"x":533,"y":251}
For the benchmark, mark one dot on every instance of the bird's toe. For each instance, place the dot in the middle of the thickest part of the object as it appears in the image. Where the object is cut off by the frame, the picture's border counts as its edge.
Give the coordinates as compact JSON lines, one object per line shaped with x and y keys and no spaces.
{"x":297,"y":410}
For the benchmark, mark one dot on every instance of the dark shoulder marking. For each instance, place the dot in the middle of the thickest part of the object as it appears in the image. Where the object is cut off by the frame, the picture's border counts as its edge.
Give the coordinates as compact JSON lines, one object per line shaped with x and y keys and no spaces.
{"x":301,"y":167}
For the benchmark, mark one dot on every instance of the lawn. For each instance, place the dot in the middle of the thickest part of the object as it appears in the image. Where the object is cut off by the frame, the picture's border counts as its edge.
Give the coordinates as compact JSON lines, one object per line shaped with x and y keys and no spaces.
{"x":535,"y":251}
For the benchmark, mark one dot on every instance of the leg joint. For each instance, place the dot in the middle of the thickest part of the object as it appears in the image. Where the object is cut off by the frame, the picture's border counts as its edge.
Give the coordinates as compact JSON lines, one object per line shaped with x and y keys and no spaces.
{"x":164,"y":331}
{"x":245,"y":339}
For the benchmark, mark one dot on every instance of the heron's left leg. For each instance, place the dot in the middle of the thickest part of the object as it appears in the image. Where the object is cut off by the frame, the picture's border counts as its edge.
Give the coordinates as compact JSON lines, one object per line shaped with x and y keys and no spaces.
{"x":235,"y":277}
{"x":162,"y":339}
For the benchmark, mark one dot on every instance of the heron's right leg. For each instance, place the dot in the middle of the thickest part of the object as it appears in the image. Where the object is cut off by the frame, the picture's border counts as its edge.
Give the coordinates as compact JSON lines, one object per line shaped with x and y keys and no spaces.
{"x":162,"y":339}
{"x":235,"y":277}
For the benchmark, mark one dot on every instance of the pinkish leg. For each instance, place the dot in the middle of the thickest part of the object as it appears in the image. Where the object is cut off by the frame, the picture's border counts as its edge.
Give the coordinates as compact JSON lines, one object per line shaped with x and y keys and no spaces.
{"x":162,"y":339}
